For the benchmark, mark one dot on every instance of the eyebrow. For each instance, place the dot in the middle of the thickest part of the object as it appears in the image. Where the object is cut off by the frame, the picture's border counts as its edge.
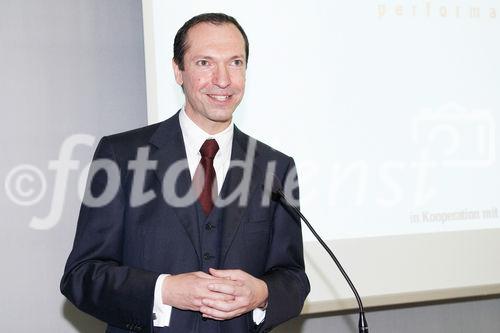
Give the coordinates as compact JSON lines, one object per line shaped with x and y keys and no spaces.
{"x":212,"y":58}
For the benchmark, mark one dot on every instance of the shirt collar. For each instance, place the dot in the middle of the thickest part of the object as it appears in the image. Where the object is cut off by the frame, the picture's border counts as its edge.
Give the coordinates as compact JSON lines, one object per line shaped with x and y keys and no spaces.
{"x":194,"y":136}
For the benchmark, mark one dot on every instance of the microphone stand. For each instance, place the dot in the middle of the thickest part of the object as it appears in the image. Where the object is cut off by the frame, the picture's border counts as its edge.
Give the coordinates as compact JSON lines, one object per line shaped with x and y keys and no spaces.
{"x":362,"y":324}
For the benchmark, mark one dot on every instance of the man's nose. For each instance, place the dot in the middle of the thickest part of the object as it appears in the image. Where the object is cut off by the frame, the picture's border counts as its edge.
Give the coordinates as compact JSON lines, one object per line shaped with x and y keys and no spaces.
{"x":221,"y":77}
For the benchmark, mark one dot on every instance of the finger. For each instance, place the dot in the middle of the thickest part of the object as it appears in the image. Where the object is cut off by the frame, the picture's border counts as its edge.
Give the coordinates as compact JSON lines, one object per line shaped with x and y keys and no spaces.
{"x":233,"y":274}
{"x":219,"y":296}
{"x":223,"y":281}
{"x":219,"y":273}
{"x":221,"y":305}
{"x":222,"y":288}
{"x":221,"y":315}
{"x":234,"y":283}
{"x":197,"y":302}
{"x":226,"y":288}
{"x":203,"y":275}
{"x":210,"y":317}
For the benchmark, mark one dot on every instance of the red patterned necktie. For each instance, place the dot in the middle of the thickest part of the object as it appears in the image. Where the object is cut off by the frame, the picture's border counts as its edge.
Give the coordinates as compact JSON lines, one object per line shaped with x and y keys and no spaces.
{"x":204,"y":178}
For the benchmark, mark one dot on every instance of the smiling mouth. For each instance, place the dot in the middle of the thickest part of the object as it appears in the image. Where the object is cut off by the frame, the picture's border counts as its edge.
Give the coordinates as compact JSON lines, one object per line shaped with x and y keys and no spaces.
{"x":219,"y":98}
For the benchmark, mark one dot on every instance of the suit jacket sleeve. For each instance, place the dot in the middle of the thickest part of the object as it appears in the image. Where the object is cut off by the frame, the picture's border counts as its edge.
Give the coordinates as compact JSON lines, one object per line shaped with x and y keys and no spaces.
{"x":285,"y":276}
{"x":95,"y":279}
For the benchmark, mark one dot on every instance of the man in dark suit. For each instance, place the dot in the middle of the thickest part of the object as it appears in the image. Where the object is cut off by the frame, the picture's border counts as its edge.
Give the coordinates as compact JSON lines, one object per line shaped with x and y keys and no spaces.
{"x":190,"y":240}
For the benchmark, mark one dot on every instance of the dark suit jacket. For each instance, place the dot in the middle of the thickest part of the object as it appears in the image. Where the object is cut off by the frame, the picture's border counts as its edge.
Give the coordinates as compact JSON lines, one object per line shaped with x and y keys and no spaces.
{"x":119,"y":251}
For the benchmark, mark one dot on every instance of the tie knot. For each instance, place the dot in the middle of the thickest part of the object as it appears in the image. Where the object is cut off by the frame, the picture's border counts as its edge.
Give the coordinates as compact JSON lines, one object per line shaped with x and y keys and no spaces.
{"x":209,"y":148}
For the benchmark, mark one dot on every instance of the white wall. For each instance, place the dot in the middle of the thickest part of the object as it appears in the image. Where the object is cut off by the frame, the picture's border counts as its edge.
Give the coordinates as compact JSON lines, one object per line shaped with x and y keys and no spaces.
{"x":67,"y":67}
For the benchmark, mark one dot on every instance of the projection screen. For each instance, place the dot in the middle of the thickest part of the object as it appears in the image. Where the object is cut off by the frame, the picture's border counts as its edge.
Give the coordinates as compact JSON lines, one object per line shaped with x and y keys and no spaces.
{"x":389,"y":110}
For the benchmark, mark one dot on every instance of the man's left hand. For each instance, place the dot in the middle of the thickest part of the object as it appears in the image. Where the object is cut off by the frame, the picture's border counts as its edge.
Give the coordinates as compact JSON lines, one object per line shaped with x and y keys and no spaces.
{"x":249,"y":293}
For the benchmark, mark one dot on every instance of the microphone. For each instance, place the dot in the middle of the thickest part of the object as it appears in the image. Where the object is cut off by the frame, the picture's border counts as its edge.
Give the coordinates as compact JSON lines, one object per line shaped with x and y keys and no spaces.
{"x":278,"y":195}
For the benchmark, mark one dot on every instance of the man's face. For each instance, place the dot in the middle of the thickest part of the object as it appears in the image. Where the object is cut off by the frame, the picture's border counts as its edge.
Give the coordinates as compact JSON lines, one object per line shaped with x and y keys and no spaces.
{"x":214,"y":74}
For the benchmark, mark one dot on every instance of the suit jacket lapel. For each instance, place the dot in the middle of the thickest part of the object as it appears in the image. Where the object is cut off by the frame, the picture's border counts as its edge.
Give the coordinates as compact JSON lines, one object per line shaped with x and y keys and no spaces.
{"x":234,"y":212}
{"x":170,"y":149}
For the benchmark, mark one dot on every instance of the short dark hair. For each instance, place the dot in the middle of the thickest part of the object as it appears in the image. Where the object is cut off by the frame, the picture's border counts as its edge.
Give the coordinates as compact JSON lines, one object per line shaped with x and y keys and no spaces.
{"x":180,"y":41}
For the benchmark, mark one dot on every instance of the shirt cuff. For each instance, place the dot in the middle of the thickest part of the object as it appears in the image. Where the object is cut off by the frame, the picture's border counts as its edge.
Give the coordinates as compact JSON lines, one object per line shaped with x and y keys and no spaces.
{"x":258,"y":316}
{"x":161,"y":312}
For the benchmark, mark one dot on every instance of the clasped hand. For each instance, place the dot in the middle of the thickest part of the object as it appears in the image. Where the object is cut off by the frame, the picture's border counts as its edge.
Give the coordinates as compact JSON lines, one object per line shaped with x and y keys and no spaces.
{"x":220,"y":295}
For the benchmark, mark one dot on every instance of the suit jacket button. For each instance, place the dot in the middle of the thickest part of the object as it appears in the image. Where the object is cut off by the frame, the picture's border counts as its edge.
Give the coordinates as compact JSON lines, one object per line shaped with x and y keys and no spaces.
{"x":209,"y":226}
{"x":207,"y":256}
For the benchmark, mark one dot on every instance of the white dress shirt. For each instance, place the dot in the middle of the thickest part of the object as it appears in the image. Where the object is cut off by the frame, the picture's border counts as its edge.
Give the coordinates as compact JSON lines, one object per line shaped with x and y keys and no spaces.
{"x":194,"y":137}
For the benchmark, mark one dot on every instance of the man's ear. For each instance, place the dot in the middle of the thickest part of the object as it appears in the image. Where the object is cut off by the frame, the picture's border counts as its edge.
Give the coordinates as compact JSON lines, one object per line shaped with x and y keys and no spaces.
{"x":177,"y":73}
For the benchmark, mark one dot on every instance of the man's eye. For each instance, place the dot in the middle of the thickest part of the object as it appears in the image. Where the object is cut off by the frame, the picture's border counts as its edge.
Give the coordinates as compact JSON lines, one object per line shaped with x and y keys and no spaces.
{"x":202,"y":62}
{"x":238,"y":62}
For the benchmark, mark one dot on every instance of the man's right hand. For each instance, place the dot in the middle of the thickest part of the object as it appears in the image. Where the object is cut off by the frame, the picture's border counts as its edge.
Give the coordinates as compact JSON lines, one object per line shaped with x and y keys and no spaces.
{"x":186,"y":291}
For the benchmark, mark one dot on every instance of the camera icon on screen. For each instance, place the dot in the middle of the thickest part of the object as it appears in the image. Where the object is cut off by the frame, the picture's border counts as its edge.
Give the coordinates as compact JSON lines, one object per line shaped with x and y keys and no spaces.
{"x":454,"y":136}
